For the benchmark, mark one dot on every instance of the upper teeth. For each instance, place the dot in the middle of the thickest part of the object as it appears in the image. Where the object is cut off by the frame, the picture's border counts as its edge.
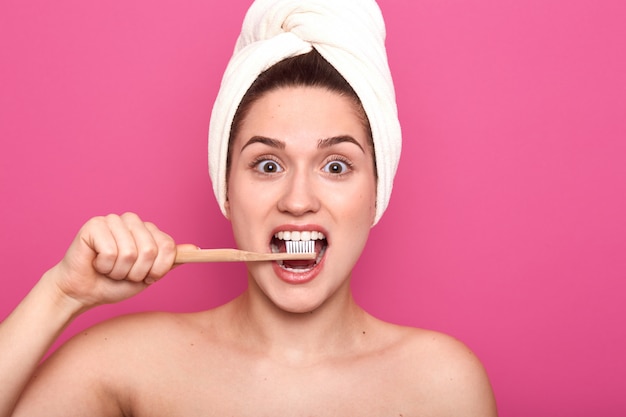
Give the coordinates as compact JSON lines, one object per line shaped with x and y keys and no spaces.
{"x":297,"y":235}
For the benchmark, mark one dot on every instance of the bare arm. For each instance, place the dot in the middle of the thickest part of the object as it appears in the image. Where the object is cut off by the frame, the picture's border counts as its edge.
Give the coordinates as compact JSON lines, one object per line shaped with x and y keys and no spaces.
{"x":25,"y":336}
{"x":112,"y":258}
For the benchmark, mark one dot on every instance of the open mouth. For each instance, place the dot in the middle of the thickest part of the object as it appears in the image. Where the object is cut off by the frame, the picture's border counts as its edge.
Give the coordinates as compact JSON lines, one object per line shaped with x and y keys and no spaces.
{"x":297,"y":242}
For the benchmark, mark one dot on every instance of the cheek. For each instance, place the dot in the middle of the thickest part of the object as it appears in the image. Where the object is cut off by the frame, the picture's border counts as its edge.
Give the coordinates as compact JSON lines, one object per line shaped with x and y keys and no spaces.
{"x":358,"y":203}
{"x":368,"y":198}
{"x":249,"y":198}
{"x":248,"y":206}
{"x":238,"y":207}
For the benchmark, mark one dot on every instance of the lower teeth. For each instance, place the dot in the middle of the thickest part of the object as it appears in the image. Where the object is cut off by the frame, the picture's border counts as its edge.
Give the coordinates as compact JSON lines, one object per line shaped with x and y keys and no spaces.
{"x":295,"y":269}
{"x":303,"y":268}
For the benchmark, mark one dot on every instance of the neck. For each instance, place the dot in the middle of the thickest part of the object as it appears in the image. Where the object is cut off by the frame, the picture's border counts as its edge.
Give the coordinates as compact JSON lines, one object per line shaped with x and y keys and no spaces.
{"x":330,"y":330}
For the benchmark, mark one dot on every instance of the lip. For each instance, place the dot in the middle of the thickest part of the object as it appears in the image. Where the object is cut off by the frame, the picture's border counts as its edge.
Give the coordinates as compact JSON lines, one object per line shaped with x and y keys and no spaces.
{"x":300,"y":277}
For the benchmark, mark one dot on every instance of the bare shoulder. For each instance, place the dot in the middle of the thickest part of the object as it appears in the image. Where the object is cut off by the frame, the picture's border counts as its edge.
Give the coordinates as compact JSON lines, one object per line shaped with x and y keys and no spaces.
{"x":130,"y":341}
{"x":131,"y":334}
{"x":448,"y":370}
{"x":102,"y":367}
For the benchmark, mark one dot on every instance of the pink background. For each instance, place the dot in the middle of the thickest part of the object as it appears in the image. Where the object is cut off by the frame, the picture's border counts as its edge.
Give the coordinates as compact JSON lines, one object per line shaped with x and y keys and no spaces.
{"x":506,"y":228}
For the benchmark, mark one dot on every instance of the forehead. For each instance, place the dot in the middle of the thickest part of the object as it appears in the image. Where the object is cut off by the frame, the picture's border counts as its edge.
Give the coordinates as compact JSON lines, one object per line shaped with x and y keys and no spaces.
{"x":293,"y":113}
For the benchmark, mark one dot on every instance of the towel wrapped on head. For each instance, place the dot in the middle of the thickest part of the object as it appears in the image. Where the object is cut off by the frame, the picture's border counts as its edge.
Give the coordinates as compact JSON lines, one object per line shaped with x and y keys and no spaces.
{"x":350,"y":35}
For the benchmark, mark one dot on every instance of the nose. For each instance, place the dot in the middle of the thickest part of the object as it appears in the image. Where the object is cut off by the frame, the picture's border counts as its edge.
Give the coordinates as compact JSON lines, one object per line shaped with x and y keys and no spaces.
{"x":300,"y":195}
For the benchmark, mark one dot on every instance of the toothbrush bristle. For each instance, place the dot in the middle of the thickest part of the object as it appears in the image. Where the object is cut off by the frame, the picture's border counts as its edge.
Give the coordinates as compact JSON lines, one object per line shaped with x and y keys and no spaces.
{"x":301,"y":246}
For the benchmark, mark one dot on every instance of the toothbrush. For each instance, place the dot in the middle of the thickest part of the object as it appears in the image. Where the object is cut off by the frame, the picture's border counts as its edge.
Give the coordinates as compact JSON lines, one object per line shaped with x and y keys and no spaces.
{"x":300,"y":246}
{"x":303,"y":250}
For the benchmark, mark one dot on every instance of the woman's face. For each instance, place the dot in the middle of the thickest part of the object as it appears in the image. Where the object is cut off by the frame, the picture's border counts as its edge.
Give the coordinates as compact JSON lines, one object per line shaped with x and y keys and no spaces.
{"x":302,"y":163}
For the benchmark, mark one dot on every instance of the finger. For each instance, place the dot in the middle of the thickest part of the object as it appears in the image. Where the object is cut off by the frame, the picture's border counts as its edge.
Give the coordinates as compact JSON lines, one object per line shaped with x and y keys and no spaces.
{"x":166,"y":254}
{"x":112,"y":291}
{"x":185,"y":247}
{"x":147,"y":249}
{"x":98,"y":238}
{"x":125,"y":249}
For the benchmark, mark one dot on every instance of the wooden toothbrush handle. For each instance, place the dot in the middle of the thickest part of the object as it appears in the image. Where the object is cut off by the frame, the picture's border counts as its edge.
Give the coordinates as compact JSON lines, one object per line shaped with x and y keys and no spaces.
{"x":236,"y":255}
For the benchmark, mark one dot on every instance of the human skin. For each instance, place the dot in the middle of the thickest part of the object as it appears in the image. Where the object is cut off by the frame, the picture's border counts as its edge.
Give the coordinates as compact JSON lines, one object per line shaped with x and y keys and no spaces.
{"x":304,"y":194}
{"x":286,"y":346}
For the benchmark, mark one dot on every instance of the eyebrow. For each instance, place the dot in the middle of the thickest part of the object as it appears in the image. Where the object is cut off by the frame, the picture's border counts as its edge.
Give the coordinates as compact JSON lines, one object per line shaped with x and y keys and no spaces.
{"x":274,"y":143}
{"x":321,"y":144}
{"x":328,"y":142}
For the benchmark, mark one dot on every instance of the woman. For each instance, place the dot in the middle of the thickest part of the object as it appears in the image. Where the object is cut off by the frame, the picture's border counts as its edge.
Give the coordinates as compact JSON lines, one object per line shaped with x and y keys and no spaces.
{"x":301,"y":156}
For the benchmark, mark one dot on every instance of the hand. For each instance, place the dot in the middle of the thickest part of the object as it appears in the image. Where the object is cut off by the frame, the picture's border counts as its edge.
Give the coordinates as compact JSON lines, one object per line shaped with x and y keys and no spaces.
{"x":112,"y":258}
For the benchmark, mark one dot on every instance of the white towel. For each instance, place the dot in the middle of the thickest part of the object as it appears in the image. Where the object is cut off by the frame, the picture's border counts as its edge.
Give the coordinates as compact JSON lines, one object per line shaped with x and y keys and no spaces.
{"x":350,"y":35}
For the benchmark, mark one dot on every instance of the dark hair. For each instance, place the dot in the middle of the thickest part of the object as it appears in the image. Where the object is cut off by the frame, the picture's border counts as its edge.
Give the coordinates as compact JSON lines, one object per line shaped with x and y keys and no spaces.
{"x":306,"y":70}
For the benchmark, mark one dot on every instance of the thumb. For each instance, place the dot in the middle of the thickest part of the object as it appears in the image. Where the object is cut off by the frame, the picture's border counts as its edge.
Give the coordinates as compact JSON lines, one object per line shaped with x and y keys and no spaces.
{"x":183,"y":249}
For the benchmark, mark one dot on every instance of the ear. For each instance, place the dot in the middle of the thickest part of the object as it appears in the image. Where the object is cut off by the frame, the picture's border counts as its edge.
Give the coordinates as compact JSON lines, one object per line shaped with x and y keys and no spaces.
{"x":227,"y":208}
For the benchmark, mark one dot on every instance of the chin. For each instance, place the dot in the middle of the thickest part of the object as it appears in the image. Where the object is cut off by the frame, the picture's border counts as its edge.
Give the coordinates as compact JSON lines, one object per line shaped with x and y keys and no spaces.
{"x":298,"y":308}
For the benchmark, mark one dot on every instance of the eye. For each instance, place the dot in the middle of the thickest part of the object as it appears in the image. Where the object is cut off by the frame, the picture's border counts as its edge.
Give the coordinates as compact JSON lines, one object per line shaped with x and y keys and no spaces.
{"x":337,"y":167}
{"x":267,"y":166}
